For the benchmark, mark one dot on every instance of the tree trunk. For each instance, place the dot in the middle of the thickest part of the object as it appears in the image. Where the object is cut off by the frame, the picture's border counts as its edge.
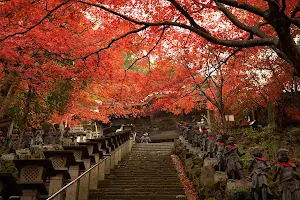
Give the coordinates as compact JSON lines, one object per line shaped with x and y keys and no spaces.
{"x":271,"y":114}
{"x":7,"y":92}
{"x":26,"y":111}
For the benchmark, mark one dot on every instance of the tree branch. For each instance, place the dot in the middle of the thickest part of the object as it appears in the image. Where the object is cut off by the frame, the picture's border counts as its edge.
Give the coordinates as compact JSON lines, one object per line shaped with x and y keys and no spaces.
{"x":244,"y":6}
{"x":283,"y":6}
{"x":155,"y":45}
{"x":186,"y":14}
{"x":295,"y":11}
{"x":38,"y":23}
{"x":201,"y":32}
{"x":113,"y":41}
{"x":238,"y":23}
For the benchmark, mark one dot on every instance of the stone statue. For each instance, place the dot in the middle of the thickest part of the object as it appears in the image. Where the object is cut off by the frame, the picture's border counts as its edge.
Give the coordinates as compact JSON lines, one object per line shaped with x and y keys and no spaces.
{"x":14,"y":142}
{"x":288,"y":176}
{"x":204,"y":142}
{"x":233,"y":161}
{"x":3,"y":144}
{"x":190,"y":133}
{"x":27,"y":139}
{"x":67,"y":139}
{"x":185,"y":133}
{"x":203,"y":126}
{"x":49,"y":138}
{"x":259,"y":169}
{"x":56,"y":135}
{"x":197,"y":139}
{"x":39,"y":136}
{"x":211,"y":143}
{"x":145,"y":138}
{"x":219,"y":151}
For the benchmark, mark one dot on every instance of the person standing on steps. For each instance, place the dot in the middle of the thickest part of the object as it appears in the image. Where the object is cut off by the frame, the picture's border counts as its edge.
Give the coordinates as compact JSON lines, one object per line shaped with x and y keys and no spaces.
{"x":145,"y":138}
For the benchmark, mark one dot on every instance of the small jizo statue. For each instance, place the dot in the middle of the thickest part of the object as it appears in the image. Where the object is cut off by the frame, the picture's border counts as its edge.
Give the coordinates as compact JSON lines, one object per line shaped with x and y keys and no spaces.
{"x":259,"y":168}
{"x":196,"y":138}
{"x":219,"y":151}
{"x":49,"y":138}
{"x":185,"y":133}
{"x":2,"y":139}
{"x":211,"y":146}
{"x":145,"y":138}
{"x":233,"y":161}
{"x":14,"y":141}
{"x":27,"y":138}
{"x":204,"y":142}
{"x":39,"y":136}
{"x":288,"y":176}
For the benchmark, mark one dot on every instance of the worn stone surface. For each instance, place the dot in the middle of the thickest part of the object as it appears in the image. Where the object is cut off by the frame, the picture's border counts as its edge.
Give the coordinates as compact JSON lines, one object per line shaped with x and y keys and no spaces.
{"x":207,"y":175}
{"x":235,"y":184}
{"x":146,"y":173}
{"x":210,"y":162}
{"x":220,"y":176}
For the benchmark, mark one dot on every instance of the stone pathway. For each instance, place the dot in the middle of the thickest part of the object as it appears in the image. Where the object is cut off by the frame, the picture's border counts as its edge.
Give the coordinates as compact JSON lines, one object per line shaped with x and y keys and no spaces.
{"x":146,"y":174}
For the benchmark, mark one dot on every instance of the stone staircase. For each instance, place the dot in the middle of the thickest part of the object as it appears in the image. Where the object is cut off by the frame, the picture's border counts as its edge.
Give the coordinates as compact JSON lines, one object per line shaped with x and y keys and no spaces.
{"x":147,"y":173}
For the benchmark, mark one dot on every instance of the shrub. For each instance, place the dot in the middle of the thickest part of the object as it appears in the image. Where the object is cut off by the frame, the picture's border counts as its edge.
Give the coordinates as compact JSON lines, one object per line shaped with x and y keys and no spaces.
{"x":240,"y":194}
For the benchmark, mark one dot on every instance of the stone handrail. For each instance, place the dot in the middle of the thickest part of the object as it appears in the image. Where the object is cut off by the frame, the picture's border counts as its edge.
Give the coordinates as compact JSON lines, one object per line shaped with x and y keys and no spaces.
{"x":75,"y":180}
{"x":97,"y":162}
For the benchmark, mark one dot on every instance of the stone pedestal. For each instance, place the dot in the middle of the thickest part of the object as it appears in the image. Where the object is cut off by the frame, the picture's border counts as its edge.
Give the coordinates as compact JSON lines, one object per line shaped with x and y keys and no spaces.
{"x":107,"y":164}
{"x":94,"y":174}
{"x":202,"y":154}
{"x":210,"y":162}
{"x":61,"y":161}
{"x":33,"y":174}
{"x":85,"y":182}
{"x":101,"y":172}
{"x":30,"y":194}
{"x":71,"y":192}
{"x":56,"y":183}
{"x":112,"y":159}
{"x":236,"y":184}
{"x":7,"y":182}
{"x":207,"y":175}
{"x":220,"y":176}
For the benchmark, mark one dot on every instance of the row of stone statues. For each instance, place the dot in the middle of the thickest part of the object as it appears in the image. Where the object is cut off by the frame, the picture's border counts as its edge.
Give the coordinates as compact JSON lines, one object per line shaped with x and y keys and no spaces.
{"x":228,"y":159}
{"x":29,"y":138}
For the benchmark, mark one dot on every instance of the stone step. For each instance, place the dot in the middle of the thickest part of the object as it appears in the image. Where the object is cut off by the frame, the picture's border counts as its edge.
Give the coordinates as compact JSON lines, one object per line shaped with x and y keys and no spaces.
{"x":157,"y":192}
{"x":138,"y":197}
{"x":141,"y":175}
{"x":142,"y":178}
{"x":144,"y":171}
{"x":168,"y":190}
{"x":153,"y":186}
{"x":140,"y":182}
{"x":157,"y":175}
{"x":147,"y":173}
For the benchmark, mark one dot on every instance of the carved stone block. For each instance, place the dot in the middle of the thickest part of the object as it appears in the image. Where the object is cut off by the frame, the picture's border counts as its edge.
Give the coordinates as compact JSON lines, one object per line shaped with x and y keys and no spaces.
{"x":235,"y":184}
{"x":220,"y":176}
{"x":210,"y":162}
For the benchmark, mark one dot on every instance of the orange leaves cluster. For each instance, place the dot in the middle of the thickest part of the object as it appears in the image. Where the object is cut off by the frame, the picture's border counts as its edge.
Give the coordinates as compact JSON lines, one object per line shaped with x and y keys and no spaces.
{"x":47,"y":42}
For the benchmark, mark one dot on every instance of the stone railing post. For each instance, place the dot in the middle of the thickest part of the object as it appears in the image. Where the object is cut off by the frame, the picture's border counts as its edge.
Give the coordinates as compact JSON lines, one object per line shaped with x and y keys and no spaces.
{"x":33,"y":175}
{"x":80,"y":153}
{"x":94,"y":154}
{"x":61,"y":161}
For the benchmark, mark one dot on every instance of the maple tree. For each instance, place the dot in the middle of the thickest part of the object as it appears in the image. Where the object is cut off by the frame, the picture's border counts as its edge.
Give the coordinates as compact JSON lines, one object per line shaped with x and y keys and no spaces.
{"x":78,"y":60}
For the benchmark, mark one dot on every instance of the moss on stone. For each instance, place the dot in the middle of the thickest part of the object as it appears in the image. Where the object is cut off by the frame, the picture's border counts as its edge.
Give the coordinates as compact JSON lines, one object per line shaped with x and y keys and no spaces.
{"x":240,"y":194}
